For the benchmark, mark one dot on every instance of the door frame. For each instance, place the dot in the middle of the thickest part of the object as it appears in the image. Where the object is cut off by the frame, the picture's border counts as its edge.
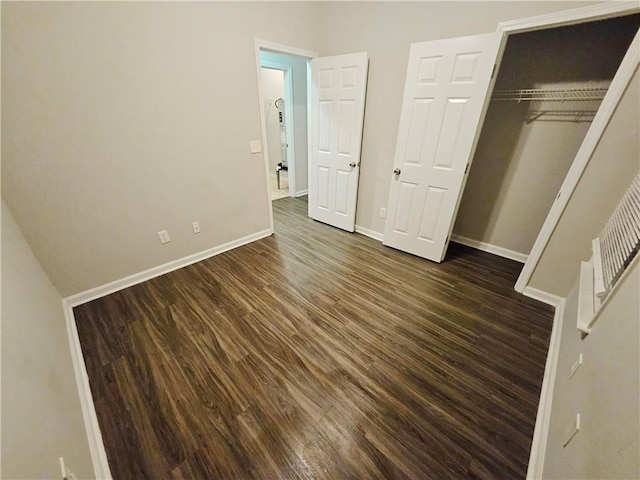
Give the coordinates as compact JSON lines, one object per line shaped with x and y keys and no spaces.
{"x":608,"y":106}
{"x":605,"y":112}
{"x":288,"y":122}
{"x":269,"y":46}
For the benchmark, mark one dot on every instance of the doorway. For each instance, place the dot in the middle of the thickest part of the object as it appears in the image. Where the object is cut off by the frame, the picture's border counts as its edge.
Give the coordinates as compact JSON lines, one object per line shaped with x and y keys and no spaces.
{"x":540,"y":120}
{"x":293,"y":63}
{"x":331,"y":93}
{"x":276,"y":88}
{"x":548,"y":89}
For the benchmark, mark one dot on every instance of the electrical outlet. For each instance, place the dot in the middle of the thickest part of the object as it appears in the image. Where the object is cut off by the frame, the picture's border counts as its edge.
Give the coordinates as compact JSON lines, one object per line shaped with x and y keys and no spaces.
{"x":575,"y":366}
{"x":383,"y":213}
{"x":254,"y":146}
{"x":195,"y":226}
{"x":164,"y":236}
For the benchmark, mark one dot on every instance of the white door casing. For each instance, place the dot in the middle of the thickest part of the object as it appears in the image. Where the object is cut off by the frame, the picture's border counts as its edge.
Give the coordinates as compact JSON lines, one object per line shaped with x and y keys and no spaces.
{"x":442,"y":108}
{"x":337,"y":115}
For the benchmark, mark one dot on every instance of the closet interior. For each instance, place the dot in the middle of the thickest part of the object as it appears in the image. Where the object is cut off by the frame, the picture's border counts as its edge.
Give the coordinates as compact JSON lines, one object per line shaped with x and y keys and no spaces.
{"x":548,"y":89}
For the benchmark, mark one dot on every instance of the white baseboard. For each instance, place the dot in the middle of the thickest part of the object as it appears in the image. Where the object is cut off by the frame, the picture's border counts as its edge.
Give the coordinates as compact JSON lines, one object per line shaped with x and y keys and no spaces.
{"x":542,"y":296}
{"x":92,"y":427}
{"x":543,"y":417}
{"x":302,"y":193}
{"x":487,"y":247}
{"x":116,"y":285}
{"x":369,"y":233}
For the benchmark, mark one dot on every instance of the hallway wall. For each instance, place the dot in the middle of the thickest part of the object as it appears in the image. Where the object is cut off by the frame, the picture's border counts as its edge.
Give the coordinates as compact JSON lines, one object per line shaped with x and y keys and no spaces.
{"x":272,"y":89}
{"x":299,"y":80}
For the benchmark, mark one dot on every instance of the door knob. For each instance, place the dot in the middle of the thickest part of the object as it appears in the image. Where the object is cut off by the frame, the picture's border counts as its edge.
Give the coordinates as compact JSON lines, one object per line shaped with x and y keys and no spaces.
{"x":352,"y":164}
{"x":397,"y":171}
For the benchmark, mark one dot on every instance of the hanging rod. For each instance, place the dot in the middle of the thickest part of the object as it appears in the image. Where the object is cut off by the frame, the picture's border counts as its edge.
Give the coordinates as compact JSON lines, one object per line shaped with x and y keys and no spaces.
{"x":550,"y":95}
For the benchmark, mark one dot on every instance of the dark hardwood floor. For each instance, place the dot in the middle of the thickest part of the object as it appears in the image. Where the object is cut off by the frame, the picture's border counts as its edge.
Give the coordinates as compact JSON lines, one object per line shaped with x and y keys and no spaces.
{"x":320,"y":354}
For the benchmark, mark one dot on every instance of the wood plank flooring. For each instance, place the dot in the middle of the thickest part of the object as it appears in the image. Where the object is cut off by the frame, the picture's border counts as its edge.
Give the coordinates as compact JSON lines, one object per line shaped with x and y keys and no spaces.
{"x":318,"y":354}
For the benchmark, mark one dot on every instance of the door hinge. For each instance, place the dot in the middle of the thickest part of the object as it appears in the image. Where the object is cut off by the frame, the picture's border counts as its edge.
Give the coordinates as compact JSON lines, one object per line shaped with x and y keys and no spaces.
{"x":466,"y":169}
{"x":493,"y":72}
{"x":448,"y":238}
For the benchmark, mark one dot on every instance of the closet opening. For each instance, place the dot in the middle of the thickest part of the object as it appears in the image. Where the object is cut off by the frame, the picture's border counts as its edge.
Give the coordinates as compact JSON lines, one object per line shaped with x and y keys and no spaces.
{"x":548,"y":89}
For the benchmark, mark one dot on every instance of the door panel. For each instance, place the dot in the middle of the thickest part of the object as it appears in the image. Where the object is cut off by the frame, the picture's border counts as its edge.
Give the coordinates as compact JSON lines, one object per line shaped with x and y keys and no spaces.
{"x":443,"y":104}
{"x":337,"y":114}
{"x":323,"y":188}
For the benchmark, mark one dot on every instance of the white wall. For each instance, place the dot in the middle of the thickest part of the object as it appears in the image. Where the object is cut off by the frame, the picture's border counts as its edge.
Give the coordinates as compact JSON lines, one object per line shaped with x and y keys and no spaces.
{"x":299,"y":80}
{"x":272,"y":89}
{"x":605,"y":391}
{"x":41,"y":416}
{"x":123,"y":119}
{"x":519,"y":166}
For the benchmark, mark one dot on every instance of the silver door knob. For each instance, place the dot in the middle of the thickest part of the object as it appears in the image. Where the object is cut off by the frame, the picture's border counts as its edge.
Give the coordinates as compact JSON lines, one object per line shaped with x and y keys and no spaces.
{"x":352,"y":164}
{"x":397,"y":171}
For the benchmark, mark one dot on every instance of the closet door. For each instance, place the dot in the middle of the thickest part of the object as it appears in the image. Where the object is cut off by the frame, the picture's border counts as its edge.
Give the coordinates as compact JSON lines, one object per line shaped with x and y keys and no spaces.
{"x":442,"y":108}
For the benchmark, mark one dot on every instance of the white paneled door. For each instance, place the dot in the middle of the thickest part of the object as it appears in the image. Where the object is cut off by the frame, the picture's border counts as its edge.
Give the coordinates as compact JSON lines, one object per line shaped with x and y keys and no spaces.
{"x":442,"y":108}
{"x":337,"y":113}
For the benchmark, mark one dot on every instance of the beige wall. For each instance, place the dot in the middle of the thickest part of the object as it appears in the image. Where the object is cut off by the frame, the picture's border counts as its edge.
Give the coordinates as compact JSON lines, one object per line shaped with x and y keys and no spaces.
{"x":605,"y":391}
{"x":41,"y":416}
{"x":517,"y":172}
{"x":272,"y":89}
{"x":613,"y":165}
{"x":123,"y":119}
{"x":520,"y":165}
{"x":606,"y":388}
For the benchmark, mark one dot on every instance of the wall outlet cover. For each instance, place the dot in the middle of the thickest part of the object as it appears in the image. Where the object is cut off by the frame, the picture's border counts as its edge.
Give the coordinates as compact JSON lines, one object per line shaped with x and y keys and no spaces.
{"x":163,"y":235}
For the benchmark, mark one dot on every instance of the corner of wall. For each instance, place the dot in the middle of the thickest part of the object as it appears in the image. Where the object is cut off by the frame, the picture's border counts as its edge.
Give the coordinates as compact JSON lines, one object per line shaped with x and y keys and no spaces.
{"x":94,"y":436}
{"x":543,"y":417}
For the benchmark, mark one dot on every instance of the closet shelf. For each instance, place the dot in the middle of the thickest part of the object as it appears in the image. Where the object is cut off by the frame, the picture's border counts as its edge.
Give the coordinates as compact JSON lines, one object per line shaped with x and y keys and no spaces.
{"x":549,"y":95}
{"x":575,"y":116}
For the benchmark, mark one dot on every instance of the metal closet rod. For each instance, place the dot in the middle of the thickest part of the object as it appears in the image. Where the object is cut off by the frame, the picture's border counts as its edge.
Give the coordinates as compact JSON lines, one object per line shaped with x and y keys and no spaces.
{"x":553,"y":95}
